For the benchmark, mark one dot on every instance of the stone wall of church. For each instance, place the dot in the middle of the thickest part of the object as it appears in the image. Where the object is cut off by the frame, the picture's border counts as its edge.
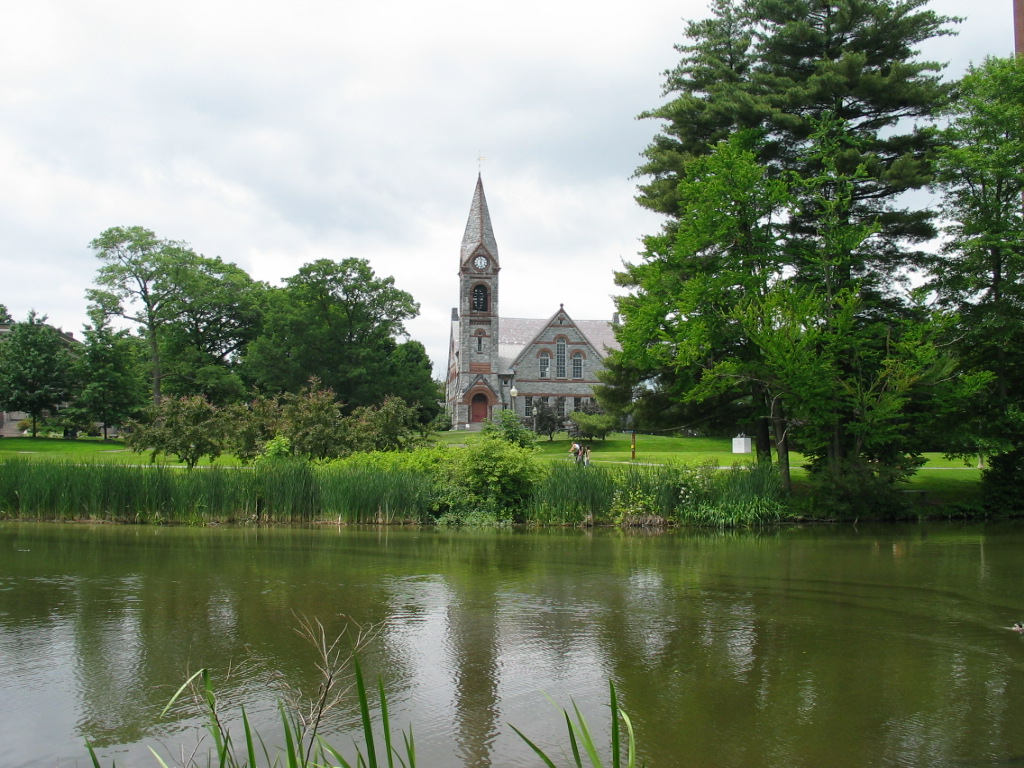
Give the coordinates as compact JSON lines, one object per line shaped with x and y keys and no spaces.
{"x":531,"y":385}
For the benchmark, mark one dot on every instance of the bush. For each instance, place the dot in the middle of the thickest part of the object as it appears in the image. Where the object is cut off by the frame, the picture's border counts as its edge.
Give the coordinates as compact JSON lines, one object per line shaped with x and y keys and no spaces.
{"x":858,"y":488}
{"x":507,"y":426}
{"x":492,"y":475}
{"x":1002,"y":483}
{"x":186,"y":427}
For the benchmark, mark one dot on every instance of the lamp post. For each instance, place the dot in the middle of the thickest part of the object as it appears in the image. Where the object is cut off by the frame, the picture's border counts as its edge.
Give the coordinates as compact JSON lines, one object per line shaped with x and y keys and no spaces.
{"x":512,"y":393}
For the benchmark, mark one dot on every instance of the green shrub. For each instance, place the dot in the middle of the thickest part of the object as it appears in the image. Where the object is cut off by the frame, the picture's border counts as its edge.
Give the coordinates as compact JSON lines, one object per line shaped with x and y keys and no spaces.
{"x":492,"y":475}
{"x":507,"y":426}
{"x":858,"y":488}
{"x":1002,"y":483}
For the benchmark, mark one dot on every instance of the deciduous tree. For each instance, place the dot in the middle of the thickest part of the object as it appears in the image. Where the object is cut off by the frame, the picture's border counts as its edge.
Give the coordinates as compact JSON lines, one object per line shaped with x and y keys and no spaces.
{"x":35,"y":368}
{"x":110,"y":375}
{"x":196,"y":313}
{"x":340,"y":323}
{"x":980,"y":272}
{"x":186,"y":427}
{"x":139,"y":281}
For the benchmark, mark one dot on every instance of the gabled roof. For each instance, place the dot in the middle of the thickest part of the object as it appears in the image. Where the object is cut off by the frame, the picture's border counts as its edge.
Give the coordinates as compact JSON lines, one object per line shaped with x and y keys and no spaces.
{"x":479,"y":233}
{"x":481,"y":381}
{"x":517,"y":335}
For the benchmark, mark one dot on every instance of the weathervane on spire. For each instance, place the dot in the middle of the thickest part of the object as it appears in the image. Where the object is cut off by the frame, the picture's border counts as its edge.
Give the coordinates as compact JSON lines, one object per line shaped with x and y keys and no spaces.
{"x":480,"y":163}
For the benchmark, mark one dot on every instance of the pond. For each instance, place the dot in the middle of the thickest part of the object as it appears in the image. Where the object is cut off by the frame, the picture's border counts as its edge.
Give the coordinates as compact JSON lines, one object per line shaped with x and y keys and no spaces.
{"x":818,"y":646}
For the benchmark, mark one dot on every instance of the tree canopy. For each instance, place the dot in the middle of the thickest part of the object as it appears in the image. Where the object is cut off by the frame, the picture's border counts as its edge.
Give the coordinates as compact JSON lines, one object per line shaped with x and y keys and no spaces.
{"x":774,"y":291}
{"x":35,"y":368}
{"x":341,"y":323}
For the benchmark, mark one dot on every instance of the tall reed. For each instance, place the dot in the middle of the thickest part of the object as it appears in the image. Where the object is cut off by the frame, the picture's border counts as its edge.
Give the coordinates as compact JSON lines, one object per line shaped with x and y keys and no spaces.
{"x":571,"y":494}
{"x":392,"y":488}
{"x":360,"y":494}
{"x":741,"y":496}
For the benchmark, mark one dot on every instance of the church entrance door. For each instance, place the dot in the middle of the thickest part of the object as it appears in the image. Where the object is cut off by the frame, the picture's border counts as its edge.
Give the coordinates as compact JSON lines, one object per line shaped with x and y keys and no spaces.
{"x":478,"y":408}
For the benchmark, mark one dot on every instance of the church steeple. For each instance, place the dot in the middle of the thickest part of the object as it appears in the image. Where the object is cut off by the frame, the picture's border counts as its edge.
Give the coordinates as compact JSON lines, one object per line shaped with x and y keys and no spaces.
{"x":479,"y":235}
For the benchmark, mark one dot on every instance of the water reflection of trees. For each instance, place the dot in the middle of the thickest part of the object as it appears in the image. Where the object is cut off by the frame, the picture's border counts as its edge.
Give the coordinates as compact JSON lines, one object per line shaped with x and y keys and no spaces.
{"x":784,"y":647}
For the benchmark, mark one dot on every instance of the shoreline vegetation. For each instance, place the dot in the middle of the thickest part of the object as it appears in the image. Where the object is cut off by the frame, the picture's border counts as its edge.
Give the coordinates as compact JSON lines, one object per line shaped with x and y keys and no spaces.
{"x":461,"y":479}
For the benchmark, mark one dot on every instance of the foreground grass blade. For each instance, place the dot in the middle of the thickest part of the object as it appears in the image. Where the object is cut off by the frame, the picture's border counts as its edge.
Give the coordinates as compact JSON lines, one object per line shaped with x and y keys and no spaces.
{"x":291,"y":751}
{"x":585,"y":737}
{"x":616,"y":762}
{"x":384,"y":722}
{"x":631,"y":744}
{"x":325,"y":747}
{"x":158,"y":758}
{"x":534,"y":747}
{"x":364,"y":709}
{"x":177,"y":694}
{"x":249,"y":745}
{"x":579,"y":733}
{"x":92,"y":756}
{"x":410,"y":748}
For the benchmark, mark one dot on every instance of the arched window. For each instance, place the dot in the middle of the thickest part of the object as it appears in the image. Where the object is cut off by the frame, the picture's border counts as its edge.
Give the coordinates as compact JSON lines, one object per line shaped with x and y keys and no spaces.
{"x":479,"y":341}
{"x":544,"y":362}
{"x":560,"y":359}
{"x":577,"y":365}
{"x":480,"y":302}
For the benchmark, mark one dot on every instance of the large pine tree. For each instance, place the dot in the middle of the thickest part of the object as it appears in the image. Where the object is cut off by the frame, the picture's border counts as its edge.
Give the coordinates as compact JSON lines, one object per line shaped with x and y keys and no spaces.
{"x":835,"y":104}
{"x":785,"y":67}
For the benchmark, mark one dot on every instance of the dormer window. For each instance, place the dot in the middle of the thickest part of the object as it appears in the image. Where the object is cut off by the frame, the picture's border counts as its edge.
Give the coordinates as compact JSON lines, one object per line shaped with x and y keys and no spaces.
{"x":480,"y":298}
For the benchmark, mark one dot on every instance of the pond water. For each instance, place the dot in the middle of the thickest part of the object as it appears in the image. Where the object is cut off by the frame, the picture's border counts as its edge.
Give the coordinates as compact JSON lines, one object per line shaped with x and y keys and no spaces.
{"x":869,"y":646}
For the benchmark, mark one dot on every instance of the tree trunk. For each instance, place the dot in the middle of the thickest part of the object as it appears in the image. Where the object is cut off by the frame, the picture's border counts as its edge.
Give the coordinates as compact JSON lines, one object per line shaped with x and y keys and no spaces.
{"x":154,"y":361}
{"x":781,"y":444}
{"x":762,"y":427}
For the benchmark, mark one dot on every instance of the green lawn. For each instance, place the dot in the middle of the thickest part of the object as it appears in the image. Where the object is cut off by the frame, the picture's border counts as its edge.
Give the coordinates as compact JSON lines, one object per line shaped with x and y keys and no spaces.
{"x":651,"y":449}
{"x":942,"y":480}
{"x":46,"y":447}
{"x":86,"y":449}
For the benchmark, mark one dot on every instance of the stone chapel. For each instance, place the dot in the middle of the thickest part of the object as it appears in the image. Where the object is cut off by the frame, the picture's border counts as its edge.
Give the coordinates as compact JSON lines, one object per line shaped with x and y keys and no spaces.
{"x":554,"y":360}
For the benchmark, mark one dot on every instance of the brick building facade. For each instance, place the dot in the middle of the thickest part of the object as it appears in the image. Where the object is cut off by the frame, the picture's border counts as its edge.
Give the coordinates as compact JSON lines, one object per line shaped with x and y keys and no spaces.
{"x":555,"y":359}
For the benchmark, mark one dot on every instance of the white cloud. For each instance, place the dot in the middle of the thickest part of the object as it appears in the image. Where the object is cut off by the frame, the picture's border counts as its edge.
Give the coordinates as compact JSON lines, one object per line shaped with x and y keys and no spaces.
{"x":273,"y":134}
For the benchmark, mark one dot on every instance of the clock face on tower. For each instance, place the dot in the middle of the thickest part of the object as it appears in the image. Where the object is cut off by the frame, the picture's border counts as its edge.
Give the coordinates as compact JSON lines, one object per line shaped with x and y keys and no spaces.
{"x":480,"y":262}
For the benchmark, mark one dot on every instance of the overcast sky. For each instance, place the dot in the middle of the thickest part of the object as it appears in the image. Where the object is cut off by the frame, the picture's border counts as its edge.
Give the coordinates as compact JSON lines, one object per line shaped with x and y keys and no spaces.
{"x":272,"y":134}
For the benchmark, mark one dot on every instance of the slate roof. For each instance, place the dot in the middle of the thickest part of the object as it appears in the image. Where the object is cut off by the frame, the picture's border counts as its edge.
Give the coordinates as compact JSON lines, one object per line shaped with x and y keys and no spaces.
{"x":478,"y":227}
{"x":514,"y":333}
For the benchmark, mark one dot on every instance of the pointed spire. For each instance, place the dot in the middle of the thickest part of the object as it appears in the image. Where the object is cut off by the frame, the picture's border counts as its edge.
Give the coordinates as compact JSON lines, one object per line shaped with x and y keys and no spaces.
{"x":478,"y":227}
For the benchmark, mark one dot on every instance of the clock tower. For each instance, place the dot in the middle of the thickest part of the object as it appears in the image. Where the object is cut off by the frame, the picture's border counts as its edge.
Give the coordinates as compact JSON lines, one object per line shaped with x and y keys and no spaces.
{"x":476,"y":379}
{"x":553,"y":362}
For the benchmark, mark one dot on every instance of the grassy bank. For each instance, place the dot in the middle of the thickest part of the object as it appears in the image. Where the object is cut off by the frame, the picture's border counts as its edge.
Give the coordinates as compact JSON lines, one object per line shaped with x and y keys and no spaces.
{"x":93,"y":450}
{"x":394,"y":491}
{"x":672,"y":480}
